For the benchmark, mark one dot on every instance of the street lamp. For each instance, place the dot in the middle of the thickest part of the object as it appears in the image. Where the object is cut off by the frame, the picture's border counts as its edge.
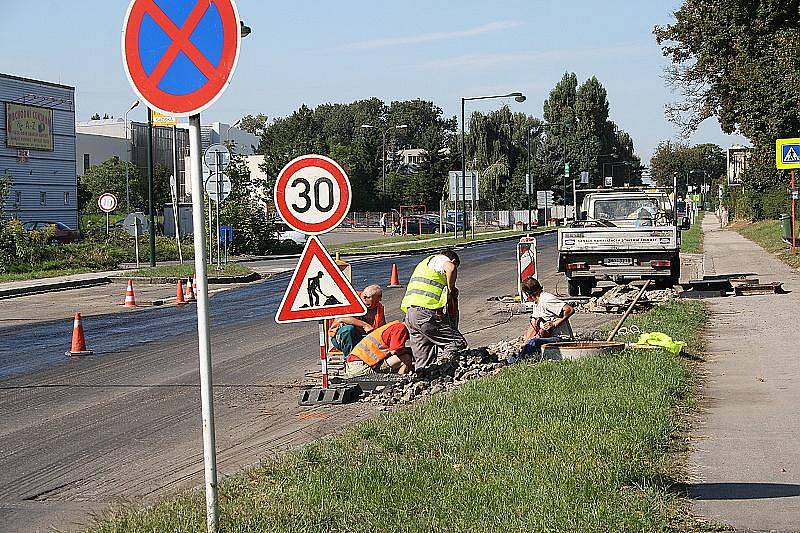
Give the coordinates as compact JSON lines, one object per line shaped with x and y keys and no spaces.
{"x":127,"y":162}
{"x":703,"y":190}
{"x":228,"y":131}
{"x":612,"y":155}
{"x":519,"y":97}
{"x":384,"y":131}
{"x":535,"y":132}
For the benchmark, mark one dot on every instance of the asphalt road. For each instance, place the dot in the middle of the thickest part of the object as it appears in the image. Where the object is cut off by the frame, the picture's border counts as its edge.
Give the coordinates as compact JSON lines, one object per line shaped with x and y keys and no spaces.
{"x":78,"y":434}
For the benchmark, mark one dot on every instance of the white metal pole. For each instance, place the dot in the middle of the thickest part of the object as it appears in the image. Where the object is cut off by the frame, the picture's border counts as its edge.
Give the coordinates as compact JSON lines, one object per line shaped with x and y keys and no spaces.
{"x":218,"y":159}
{"x":574,"y":201}
{"x":106,"y":223}
{"x":203,"y":332}
{"x":136,"y":239}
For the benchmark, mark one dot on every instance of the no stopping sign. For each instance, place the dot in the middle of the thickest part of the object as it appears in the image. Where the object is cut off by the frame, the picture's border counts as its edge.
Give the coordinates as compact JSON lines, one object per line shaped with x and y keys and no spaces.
{"x":312,"y":194}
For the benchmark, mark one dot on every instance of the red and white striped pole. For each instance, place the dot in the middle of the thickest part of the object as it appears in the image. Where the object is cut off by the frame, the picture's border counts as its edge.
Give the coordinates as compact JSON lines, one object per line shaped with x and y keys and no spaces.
{"x":323,"y":354}
{"x":794,"y":230}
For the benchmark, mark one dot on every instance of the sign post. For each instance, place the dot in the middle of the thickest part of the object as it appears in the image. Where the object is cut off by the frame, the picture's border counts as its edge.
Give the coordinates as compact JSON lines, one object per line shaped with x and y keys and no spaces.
{"x":107,"y":202}
{"x":526,"y":264}
{"x":180,"y":64}
{"x":787,"y":157}
{"x":173,"y":185}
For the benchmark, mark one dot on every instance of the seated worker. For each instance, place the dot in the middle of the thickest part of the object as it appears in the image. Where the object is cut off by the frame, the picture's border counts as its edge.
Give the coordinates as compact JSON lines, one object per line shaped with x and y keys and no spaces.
{"x":382,"y":350}
{"x":549,"y":320}
{"x":346,"y":332}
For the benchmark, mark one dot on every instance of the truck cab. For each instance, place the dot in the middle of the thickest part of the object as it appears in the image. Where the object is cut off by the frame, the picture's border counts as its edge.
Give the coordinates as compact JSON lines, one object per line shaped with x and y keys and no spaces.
{"x":622,"y":235}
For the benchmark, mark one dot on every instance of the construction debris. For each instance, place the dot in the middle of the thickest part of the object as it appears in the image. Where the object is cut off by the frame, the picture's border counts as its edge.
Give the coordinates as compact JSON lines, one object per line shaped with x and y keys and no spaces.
{"x":470,"y":364}
{"x":619,"y":298}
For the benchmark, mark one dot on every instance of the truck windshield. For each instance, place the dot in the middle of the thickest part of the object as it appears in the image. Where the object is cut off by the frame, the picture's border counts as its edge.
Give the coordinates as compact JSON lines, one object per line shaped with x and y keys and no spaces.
{"x":626,"y":208}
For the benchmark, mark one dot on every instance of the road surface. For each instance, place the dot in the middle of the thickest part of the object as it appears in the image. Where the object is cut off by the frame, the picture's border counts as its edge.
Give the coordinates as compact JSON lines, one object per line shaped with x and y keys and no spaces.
{"x":125,"y":424}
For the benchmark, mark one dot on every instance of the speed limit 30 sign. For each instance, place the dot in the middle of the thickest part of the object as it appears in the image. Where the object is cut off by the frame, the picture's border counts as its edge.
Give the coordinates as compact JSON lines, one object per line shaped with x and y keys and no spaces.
{"x":312,"y":194}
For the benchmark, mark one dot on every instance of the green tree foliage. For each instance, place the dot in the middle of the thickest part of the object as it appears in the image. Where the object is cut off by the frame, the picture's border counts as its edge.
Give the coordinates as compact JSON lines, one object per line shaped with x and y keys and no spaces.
{"x":691,"y":163}
{"x":109,"y":176}
{"x":244,"y":210}
{"x":739,"y":61}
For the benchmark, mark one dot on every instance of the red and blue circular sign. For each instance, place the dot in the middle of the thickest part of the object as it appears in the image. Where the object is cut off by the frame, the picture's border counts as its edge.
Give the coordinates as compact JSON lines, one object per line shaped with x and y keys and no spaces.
{"x":179,"y":55}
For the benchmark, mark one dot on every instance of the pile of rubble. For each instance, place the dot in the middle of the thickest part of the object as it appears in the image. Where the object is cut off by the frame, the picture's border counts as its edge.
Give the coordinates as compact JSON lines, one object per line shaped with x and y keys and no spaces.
{"x":617,"y":299}
{"x":447,"y":375}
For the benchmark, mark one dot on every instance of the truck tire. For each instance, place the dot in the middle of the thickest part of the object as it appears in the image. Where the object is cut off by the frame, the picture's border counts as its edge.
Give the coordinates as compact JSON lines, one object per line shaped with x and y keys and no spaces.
{"x":675,"y":272}
{"x":586,"y":287}
{"x":573,"y":287}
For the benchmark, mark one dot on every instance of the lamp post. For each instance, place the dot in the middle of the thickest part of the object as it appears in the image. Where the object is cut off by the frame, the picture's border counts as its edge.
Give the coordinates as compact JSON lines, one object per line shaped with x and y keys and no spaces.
{"x":128,"y":159}
{"x":519,"y":97}
{"x":703,"y":190}
{"x":612,"y":155}
{"x":536,"y":131}
{"x":228,"y":131}
{"x":384,"y":132}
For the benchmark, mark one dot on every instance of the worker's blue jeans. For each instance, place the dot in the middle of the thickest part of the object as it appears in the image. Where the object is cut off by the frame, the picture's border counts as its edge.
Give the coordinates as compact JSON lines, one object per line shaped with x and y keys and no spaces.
{"x":534,"y":346}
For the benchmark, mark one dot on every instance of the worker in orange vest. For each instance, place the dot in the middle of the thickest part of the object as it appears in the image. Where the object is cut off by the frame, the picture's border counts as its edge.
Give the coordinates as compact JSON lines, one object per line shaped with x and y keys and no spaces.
{"x":346,"y":332}
{"x":383,"y":350}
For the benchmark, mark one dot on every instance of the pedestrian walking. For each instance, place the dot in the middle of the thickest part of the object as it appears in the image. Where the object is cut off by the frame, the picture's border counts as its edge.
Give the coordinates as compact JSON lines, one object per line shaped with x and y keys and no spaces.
{"x":431,"y":291}
{"x":383,"y":223}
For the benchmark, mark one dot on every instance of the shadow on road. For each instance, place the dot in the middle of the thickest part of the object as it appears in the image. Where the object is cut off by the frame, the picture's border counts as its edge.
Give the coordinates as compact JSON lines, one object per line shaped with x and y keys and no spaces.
{"x":742,"y":491}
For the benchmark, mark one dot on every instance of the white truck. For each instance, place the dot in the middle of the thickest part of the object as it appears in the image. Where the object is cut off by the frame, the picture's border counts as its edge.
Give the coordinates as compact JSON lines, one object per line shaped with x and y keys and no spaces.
{"x":622,"y":235}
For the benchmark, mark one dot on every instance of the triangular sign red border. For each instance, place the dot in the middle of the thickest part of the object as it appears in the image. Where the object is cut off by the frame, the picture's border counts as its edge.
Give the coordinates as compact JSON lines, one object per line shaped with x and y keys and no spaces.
{"x":352,"y":307}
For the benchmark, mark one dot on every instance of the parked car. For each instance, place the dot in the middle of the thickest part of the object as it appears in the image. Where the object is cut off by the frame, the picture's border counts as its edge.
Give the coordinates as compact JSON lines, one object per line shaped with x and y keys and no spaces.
{"x":288,"y":236}
{"x":62,"y":233}
{"x":424,"y":224}
{"x":457,"y":218}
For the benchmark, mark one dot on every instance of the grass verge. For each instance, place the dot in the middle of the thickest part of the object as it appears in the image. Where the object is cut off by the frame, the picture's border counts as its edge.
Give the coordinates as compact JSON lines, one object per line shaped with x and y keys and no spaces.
{"x":768,"y":235}
{"x":540,"y":447}
{"x":187,"y":269}
{"x":39,"y":274}
{"x":692,"y":239}
{"x":416,"y":242}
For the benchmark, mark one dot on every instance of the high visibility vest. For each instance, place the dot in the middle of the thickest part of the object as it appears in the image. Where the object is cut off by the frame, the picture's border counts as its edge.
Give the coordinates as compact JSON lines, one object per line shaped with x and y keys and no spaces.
{"x":371,"y":349}
{"x":378,"y":321}
{"x":426,"y":288}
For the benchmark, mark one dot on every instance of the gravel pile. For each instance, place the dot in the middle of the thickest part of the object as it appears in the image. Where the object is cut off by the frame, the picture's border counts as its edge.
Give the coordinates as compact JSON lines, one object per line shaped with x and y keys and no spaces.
{"x":447,"y":375}
{"x":618,"y":298}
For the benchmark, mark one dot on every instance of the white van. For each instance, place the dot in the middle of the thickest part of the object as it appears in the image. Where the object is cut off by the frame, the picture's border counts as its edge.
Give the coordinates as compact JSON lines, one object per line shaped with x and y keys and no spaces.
{"x":287,"y":235}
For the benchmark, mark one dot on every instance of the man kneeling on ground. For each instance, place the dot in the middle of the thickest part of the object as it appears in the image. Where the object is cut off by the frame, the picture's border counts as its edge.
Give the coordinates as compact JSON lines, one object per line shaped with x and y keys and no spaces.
{"x":549,"y":320}
{"x":346,"y":332}
{"x":383,"y":350}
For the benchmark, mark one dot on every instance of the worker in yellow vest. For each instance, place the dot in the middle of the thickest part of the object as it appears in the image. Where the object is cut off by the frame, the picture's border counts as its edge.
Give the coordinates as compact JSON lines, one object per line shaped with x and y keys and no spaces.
{"x":430,"y":293}
{"x":382,"y":350}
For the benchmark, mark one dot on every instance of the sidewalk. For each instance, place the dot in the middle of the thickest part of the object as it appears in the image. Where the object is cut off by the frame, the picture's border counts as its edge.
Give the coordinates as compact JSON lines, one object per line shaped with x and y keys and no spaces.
{"x":746,"y":458}
{"x":10,"y":289}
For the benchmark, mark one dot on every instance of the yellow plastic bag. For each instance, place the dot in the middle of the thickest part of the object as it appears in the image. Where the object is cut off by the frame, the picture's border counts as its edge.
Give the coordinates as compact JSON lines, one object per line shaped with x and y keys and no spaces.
{"x":662,"y":340}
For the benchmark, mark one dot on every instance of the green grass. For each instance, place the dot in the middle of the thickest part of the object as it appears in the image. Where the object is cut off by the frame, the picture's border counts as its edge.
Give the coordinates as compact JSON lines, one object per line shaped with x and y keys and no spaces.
{"x":39,"y":274}
{"x":187,"y":269}
{"x":540,"y":447}
{"x":768,"y":235}
{"x":692,"y":239}
{"x":416,"y":242}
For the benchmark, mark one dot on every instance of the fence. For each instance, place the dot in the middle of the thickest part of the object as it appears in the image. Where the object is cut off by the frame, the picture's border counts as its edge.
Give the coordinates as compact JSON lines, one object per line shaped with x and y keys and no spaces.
{"x":481,"y":219}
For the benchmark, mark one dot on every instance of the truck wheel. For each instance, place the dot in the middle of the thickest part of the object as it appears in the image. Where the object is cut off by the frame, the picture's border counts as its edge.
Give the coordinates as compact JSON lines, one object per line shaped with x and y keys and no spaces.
{"x":573,"y":287}
{"x":675,"y":272}
{"x":585,"y":287}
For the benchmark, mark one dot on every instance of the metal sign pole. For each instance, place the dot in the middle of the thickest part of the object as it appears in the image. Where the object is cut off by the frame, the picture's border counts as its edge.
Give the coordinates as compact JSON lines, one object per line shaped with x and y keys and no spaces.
{"x":173,"y":183}
{"x":218,"y":160}
{"x":210,"y":233}
{"x":106,"y":223}
{"x":794,"y":237}
{"x":136,"y":239}
{"x":323,"y":354}
{"x":203,"y":333}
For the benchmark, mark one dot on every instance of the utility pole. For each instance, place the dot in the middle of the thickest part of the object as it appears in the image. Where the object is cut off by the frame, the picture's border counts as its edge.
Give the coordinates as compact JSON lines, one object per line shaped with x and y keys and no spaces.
{"x":150,"y":198}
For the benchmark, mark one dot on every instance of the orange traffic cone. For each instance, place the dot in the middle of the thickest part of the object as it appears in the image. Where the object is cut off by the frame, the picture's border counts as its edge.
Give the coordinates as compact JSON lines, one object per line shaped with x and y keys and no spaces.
{"x":78,"y":339}
{"x":130,"y":298}
{"x":179,"y":293}
{"x":189,"y":290}
{"x":394,"y":280}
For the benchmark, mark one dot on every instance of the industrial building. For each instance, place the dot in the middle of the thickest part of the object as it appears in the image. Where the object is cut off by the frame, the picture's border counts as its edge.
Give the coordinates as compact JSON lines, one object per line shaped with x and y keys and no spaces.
{"x":37,"y":150}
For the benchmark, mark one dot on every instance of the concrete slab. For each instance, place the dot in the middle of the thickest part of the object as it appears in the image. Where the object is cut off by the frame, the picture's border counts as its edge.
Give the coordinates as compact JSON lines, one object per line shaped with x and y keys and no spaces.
{"x":746,"y":459}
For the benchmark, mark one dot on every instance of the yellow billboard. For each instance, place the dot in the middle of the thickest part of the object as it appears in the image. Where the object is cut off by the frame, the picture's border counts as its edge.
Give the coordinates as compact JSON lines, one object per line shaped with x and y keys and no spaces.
{"x":29,"y":127}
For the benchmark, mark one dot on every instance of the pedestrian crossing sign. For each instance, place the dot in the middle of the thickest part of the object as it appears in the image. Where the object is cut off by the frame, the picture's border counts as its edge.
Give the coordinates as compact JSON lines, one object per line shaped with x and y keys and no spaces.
{"x":787,"y":153}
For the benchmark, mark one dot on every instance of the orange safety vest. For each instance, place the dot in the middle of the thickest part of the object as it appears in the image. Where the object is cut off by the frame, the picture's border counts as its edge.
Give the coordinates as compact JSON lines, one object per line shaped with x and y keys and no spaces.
{"x":371,"y":349}
{"x":380,"y":320}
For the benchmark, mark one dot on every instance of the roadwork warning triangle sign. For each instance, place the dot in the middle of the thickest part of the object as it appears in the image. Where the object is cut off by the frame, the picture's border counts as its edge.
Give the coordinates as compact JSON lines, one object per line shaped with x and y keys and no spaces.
{"x":318,"y":289}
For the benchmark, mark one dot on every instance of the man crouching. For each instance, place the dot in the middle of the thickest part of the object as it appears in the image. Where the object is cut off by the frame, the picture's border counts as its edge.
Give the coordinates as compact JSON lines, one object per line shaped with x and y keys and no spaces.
{"x":549,"y":320}
{"x":383,"y":350}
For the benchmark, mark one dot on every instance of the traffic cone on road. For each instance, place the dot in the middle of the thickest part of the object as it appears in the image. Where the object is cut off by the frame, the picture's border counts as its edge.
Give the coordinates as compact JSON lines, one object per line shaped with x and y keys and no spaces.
{"x":78,"y":339}
{"x":394,"y":280}
{"x":130,"y":298}
{"x":189,"y":290}
{"x":179,"y":293}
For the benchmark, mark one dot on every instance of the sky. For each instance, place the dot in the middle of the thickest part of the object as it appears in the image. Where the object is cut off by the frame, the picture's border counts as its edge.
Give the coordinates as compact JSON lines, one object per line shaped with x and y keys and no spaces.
{"x":313,"y":52}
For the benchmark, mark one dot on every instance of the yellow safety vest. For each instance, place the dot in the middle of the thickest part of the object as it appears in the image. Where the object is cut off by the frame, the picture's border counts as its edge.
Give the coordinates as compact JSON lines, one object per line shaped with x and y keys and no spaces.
{"x":427,"y":288}
{"x":371,"y":349}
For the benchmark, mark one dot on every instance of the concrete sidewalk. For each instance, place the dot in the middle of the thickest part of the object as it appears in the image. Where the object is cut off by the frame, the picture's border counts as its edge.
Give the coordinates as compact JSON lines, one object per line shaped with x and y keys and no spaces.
{"x":746,"y":459}
{"x":11,"y":289}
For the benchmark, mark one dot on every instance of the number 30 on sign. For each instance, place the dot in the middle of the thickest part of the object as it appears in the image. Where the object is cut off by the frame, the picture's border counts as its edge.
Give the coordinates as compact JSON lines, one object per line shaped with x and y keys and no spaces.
{"x":312,"y":194}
